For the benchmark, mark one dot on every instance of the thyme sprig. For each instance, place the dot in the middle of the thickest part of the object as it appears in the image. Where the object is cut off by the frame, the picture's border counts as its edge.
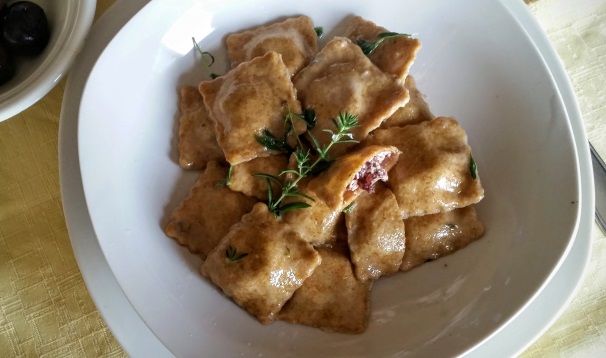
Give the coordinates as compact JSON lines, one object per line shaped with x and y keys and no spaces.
{"x":204,"y":55}
{"x":232,"y":255}
{"x":226,"y":180}
{"x":369,"y":46}
{"x":269,"y":141}
{"x":344,"y":123}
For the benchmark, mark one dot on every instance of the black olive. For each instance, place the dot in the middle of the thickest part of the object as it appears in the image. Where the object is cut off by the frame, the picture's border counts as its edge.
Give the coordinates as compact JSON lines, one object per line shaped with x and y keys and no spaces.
{"x":25,"y":29}
{"x":7,"y":65}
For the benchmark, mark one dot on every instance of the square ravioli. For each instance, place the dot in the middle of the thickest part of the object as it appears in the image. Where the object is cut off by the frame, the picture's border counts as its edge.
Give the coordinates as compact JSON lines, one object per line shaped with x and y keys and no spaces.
{"x":394,"y":55}
{"x":353,"y":173}
{"x":316,"y":224}
{"x":207,"y":213}
{"x":332,"y":298}
{"x":375,"y":233}
{"x":248,"y":100}
{"x":197,"y":142}
{"x":260,"y":263}
{"x":433,"y":236}
{"x":434,"y":171}
{"x":294,"y":38}
{"x":414,"y":112}
{"x":243,"y":180}
{"x":342,"y":79}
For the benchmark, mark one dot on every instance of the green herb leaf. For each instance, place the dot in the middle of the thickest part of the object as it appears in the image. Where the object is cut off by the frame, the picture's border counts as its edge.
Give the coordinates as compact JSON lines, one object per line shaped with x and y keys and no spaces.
{"x":452,"y":226}
{"x":270,"y":191}
{"x":473,"y":169}
{"x":269,"y":141}
{"x":319,"y":31}
{"x":321,"y":166}
{"x":348,"y":208}
{"x":225,"y":181}
{"x":309,"y":116}
{"x":268,"y":177}
{"x":369,"y":46}
{"x":294,"y":191}
{"x":204,"y":55}
{"x":293,"y":206}
{"x":232,"y":255}
{"x":343,"y":123}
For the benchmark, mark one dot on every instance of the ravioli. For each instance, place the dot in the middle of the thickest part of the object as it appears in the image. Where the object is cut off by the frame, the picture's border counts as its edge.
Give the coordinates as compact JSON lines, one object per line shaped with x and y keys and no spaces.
{"x":375,"y":233}
{"x":316,"y":224}
{"x":350,"y":175}
{"x":197,"y":141}
{"x":364,"y":181}
{"x":414,"y":112}
{"x":260,"y":263}
{"x":433,"y":173}
{"x":342,"y":79}
{"x":248,"y":100}
{"x":207,"y":213}
{"x":331,"y":298}
{"x":433,"y":236}
{"x":243,"y":179}
{"x":394,"y":56}
{"x":294,"y":38}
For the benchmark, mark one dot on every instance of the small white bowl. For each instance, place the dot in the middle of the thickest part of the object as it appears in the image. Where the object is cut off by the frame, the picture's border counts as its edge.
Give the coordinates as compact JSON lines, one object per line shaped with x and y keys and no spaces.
{"x":70,"y":21}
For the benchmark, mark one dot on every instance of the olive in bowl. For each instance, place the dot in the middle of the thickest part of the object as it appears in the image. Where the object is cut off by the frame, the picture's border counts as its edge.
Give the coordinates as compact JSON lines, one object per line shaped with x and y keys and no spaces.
{"x":25,"y":29}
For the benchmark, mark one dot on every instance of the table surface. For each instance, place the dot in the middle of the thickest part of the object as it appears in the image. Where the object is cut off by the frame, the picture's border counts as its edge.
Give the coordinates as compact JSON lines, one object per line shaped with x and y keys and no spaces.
{"x":45,"y":308}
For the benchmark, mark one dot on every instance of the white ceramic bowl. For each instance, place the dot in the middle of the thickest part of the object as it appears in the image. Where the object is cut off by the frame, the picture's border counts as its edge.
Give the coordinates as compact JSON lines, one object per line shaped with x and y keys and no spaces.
{"x":70,"y":21}
{"x":495,"y":82}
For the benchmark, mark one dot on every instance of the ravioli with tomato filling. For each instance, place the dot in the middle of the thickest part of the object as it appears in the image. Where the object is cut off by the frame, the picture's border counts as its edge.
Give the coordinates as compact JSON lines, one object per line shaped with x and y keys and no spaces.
{"x":351,"y":174}
{"x":434,"y":172}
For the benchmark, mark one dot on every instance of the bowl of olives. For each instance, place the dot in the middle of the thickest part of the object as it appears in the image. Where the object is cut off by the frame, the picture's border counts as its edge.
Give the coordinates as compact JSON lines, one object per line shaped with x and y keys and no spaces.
{"x":39,"y":40}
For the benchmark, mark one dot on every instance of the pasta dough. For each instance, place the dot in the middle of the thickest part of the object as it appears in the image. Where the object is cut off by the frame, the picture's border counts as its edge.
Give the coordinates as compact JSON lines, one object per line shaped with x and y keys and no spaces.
{"x":331,"y":298}
{"x":353,"y":173}
{"x":277,"y":262}
{"x":433,"y":171}
{"x":249,"y":99}
{"x":244,"y":181}
{"x":375,"y":233}
{"x":294,"y":38}
{"x":433,"y":236}
{"x":197,"y":141}
{"x":414,"y":112}
{"x":394,"y":56}
{"x":208,"y":212}
{"x":342,"y":79}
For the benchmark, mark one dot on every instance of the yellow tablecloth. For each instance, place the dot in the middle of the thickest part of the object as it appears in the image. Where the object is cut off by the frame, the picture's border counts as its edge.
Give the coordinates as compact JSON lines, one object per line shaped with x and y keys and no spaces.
{"x":45,"y":309}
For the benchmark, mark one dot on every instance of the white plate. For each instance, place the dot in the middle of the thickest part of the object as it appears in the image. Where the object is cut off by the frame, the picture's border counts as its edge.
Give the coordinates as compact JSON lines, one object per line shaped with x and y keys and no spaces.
{"x":157,"y":317}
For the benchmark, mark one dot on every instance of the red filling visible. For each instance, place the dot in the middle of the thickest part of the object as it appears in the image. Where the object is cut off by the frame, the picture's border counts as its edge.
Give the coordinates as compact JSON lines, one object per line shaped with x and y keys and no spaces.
{"x":370,"y":173}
